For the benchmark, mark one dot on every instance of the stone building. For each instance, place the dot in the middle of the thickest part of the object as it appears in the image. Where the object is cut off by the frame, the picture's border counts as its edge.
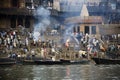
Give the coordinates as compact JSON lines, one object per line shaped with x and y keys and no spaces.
{"x":99,"y":13}
{"x":85,"y":23}
{"x":104,"y":14}
{"x":14,"y":13}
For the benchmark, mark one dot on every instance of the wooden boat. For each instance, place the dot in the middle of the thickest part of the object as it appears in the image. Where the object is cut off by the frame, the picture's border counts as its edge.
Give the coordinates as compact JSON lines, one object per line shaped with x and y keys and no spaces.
{"x":65,"y":61}
{"x":27,"y":62}
{"x":60,"y":62}
{"x":69,"y":62}
{"x":106,"y":61}
{"x":80,"y":62}
{"x":10,"y":61}
{"x":7,"y":61}
{"x":47,"y":62}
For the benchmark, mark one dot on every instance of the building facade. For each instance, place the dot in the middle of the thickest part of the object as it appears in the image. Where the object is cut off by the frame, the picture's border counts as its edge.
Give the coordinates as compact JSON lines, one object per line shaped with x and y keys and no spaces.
{"x":15,"y":13}
{"x":21,"y":12}
{"x":108,"y":10}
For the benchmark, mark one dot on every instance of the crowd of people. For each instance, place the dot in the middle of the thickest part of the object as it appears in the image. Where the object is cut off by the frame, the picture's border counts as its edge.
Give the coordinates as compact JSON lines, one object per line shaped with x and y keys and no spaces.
{"x":97,"y":47}
{"x":94,"y":46}
{"x":15,"y":43}
{"x":23,"y":44}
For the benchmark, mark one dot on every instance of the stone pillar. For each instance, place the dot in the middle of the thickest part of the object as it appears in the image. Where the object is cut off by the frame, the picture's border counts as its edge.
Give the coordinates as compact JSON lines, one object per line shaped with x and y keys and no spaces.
{"x":76,"y":29}
{"x":90,"y":31}
{"x":24,"y":22}
{"x":82,"y":28}
{"x":31,"y":24}
{"x":98,"y":31}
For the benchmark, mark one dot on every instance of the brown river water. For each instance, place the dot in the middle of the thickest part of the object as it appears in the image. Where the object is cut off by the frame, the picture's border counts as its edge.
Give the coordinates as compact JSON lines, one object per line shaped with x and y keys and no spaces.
{"x":60,"y":72}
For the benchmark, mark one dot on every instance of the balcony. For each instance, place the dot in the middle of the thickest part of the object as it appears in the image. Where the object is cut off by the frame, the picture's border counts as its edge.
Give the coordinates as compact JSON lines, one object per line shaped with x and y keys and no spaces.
{"x":16,"y":11}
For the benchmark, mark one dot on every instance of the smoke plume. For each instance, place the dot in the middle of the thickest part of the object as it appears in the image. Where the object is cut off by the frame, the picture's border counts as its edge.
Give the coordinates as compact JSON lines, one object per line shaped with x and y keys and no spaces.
{"x":69,"y":35}
{"x":42,"y":16}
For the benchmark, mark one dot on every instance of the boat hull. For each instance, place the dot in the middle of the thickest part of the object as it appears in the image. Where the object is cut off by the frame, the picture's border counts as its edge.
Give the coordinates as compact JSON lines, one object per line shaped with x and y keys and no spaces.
{"x":106,"y":61}
{"x":61,"y":62}
{"x":27,"y":62}
{"x":41,"y":62}
{"x":75,"y":62}
{"x":7,"y":61}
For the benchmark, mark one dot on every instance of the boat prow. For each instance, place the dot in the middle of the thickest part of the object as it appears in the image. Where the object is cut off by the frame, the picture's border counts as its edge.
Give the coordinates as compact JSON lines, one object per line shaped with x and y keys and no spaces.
{"x":106,"y":61}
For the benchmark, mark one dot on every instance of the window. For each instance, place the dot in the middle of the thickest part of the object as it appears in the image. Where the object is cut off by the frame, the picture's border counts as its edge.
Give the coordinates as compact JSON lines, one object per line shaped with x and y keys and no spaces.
{"x":27,"y":23}
{"x":86,"y":29}
{"x":113,"y":6}
{"x":20,"y":21}
{"x":15,"y":3}
{"x":13,"y":22}
{"x":28,"y":5}
{"x":78,"y":29}
{"x":74,"y":29}
{"x":2,"y":3}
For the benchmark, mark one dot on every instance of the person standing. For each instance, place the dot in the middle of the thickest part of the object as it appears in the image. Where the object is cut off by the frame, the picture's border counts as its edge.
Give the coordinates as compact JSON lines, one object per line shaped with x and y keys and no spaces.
{"x":26,"y":42}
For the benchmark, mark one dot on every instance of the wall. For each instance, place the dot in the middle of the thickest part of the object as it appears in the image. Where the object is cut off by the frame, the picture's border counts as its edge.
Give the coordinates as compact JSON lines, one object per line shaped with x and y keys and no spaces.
{"x":4,"y":23}
{"x":8,"y":3}
{"x":82,"y":28}
{"x":109,"y":29}
{"x":5,"y":3}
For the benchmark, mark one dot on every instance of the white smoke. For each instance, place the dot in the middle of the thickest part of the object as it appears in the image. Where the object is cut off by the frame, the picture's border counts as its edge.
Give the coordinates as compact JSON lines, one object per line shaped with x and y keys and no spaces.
{"x":69,"y":35}
{"x":41,"y":11}
{"x":42,"y":15}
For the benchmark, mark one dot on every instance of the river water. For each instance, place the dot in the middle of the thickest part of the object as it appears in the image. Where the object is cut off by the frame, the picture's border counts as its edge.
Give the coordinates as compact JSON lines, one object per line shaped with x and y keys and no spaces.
{"x":60,"y":72}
